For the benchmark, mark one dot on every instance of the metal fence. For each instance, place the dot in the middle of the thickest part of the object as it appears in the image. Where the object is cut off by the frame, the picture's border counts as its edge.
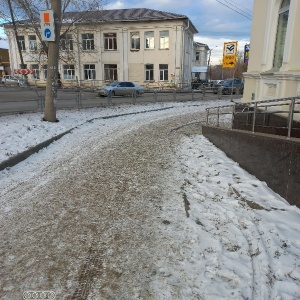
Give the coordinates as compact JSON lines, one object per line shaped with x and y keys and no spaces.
{"x":283,"y":107}
{"x":31,"y":99}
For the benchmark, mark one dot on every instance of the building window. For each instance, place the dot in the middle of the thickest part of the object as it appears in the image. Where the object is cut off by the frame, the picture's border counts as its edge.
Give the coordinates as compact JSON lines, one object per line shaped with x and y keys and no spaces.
{"x":88,"y":41}
{"x":36,"y":71}
{"x":163,"y":72}
{"x":32,"y":43}
{"x":110,"y":41}
{"x":281,"y":33}
{"x":149,"y":71}
{"x":69,"y":72}
{"x":164,"y":39}
{"x":89,"y":72}
{"x":111,"y":72}
{"x":45,"y":71}
{"x":197,"y":55}
{"x":21,"y":41}
{"x":135,"y":40}
{"x":149,"y":40}
{"x":66,"y":43}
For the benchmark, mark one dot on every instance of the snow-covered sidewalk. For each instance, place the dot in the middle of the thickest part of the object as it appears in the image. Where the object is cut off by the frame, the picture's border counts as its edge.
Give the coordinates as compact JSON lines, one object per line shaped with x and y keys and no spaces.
{"x":140,"y":206}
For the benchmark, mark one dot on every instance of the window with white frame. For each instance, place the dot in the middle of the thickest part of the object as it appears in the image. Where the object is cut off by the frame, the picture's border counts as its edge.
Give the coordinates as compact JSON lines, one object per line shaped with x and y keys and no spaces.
{"x":88,"y":41}
{"x":110,"y":72}
{"x":197,"y":55}
{"x":281,"y":33}
{"x":110,"y":41}
{"x":163,"y":72}
{"x":36,"y":71}
{"x":164,"y":39}
{"x":32,"y":43}
{"x":149,"y":72}
{"x":89,"y":72}
{"x":149,"y":40}
{"x":21,"y":41}
{"x":135,"y":40}
{"x":69,"y":72}
{"x":45,"y":71}
{"x":66,"y":43}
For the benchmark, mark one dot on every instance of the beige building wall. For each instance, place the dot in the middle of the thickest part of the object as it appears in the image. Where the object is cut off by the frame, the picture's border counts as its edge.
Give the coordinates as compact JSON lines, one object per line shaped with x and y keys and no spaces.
{"x":130,"y":63}
{"x":262,"y":80}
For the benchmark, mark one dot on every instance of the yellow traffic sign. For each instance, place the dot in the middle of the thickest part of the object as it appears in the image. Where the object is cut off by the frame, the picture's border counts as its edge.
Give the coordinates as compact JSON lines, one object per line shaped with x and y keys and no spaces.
{"x":229,"y":54}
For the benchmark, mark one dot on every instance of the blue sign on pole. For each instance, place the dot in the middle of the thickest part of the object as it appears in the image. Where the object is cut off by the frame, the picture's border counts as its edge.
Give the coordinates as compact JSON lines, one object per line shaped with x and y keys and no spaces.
{"x":47,"y":25}
{"x":246,"y":53}
{"x":47,"y":33}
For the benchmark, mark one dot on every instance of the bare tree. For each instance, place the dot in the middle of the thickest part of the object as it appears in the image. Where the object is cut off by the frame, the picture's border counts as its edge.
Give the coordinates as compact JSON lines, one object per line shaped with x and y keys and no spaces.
{"x":241,"y":67}
{"x":217,"y":72}
{"x":22,"y":12}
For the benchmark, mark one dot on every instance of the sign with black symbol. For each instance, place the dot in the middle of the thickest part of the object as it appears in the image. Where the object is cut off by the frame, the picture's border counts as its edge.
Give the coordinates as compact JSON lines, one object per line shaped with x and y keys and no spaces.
{"x":229,"y":54}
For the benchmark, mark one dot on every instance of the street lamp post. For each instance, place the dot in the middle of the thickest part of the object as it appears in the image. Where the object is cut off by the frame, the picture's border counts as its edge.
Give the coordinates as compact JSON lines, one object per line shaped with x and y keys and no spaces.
{"x":208,"y":62}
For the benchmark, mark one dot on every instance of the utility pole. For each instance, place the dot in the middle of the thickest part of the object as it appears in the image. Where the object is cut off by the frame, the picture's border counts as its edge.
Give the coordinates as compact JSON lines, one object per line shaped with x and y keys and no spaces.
{"x":52,"y":67}
{"x":209,"y":64}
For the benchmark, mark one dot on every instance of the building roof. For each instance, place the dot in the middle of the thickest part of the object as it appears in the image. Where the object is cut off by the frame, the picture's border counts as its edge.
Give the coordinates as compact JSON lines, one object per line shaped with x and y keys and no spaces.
{"x":123,"y":15}
{"x":197,"y":44}
{"x":130,"y":14}
{"x":118,"y":15}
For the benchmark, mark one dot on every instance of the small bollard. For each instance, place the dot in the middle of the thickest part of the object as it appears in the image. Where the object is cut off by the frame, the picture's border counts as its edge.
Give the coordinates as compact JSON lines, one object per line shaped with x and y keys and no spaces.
{"x":134,"y":95}
{"x":203,"y":93}
{"x":109,"y":97}
{"x":219,"y":92}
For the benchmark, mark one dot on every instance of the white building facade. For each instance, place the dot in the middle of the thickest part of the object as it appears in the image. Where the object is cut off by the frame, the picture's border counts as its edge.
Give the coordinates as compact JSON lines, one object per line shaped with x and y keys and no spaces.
{"x":200,"y":62}
{"x":145,"y":46}
{"x":274,"y":64}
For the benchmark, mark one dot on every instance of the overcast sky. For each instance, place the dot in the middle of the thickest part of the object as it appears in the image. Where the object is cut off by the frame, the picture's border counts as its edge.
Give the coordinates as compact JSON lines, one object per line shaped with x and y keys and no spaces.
{"x":216,"y":23}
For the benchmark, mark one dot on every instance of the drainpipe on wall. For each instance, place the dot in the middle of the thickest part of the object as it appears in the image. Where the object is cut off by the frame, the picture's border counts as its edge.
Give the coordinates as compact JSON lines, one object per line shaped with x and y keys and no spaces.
{"x":78,"y":54}
{"x":125,"y":76}
{"x":183,"y":47}
{"x":175,"y":62}
{"x":123,"y":55}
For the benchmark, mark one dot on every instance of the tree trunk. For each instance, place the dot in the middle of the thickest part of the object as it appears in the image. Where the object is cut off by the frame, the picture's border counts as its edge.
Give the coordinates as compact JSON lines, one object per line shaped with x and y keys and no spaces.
{"x":16,"y":34}
{"x":52,"y":67}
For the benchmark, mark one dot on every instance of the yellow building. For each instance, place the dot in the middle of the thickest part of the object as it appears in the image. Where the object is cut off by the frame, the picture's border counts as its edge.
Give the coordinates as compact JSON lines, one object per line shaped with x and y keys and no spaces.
{"x":141,"y":45}
{"x":274,"y":64}
{"x":4,"y":62}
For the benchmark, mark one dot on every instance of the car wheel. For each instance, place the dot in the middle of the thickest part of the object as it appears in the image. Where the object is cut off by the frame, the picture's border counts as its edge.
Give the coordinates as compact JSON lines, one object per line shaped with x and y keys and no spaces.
{"x":113,"y":93}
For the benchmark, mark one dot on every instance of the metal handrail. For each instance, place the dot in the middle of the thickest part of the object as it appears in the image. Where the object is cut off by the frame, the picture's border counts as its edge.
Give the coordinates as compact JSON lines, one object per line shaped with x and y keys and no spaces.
{"x":256,"y":109}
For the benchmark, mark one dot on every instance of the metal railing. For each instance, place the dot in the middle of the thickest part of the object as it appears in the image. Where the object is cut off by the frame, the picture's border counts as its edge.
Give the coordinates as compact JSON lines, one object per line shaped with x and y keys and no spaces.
{"x":32,"y":99}
{"x":264,"y":107}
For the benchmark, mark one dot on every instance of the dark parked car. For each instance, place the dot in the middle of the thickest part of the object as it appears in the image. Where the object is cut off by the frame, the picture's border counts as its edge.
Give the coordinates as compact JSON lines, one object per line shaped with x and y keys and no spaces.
{"x":230,"y":86}
{"x":215,"y":84}
{"x":121,"y":88}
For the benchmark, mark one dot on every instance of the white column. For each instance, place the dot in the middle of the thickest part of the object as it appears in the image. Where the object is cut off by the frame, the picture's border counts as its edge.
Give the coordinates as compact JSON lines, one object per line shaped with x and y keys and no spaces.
{"x":99,"y":67}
